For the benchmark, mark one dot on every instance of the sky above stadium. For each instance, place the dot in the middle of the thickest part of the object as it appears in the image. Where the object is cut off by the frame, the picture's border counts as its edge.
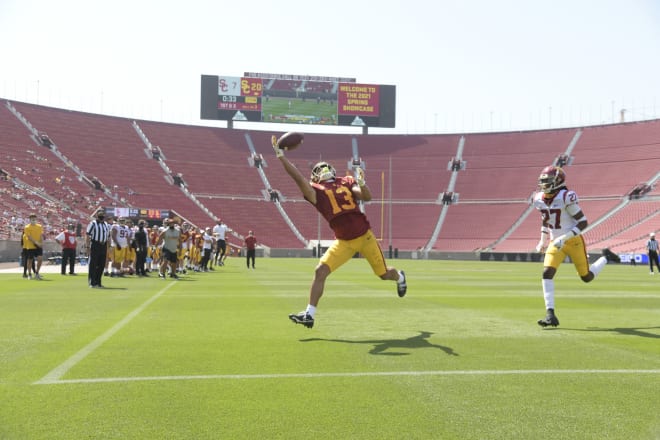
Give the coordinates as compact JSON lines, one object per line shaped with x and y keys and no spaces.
{"x":459,"y":66}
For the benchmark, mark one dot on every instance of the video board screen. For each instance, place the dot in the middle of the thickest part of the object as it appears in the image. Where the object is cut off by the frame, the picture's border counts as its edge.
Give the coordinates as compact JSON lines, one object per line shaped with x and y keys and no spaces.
{"x":142,"y":213}
{"x":296,"y":99}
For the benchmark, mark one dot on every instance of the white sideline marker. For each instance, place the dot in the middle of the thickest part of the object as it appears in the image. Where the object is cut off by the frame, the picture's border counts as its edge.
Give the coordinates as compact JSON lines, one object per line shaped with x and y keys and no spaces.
{"x":54,"y":375}
{"x":349,"y":375}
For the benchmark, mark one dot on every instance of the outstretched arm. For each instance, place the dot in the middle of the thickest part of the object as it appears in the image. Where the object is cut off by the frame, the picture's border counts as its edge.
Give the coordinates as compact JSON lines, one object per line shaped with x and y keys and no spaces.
{"x":302,"y":181}
{"x":360,"y":188}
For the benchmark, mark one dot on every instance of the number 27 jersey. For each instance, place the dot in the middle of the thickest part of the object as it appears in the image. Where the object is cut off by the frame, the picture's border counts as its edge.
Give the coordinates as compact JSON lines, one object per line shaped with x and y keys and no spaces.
{"x":558,"y":212}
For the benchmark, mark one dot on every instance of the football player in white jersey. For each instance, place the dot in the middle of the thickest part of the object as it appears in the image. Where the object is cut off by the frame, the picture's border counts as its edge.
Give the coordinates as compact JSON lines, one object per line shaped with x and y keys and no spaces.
{"x":119,"y":233}
{"x":561,"y":235}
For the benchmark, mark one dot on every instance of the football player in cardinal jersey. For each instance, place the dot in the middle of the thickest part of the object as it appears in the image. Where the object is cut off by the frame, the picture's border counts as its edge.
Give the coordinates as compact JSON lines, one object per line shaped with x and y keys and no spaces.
{"x":336,"y":199}
{"x":561,"y":234}
{"x":153,"y":253}
{"x":186,"y":239}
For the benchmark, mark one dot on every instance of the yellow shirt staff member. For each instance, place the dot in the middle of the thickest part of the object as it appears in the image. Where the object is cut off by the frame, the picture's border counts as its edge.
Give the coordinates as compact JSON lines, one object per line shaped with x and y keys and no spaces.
{"x":33,"y":237}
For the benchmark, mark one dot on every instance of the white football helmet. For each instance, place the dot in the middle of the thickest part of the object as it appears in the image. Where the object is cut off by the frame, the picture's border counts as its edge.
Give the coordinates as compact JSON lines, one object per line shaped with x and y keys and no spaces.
{"x":323,"y":171}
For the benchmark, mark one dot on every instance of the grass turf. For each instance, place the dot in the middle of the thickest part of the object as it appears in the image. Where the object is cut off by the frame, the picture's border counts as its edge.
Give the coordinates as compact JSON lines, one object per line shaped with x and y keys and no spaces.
{"x":300,"y":112}
{"x":214,"y":355}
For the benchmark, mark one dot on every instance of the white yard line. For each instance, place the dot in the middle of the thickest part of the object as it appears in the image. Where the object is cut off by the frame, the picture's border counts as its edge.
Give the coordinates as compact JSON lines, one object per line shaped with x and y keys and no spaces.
{"x":56,"y":380}
{"x":59,"y":371}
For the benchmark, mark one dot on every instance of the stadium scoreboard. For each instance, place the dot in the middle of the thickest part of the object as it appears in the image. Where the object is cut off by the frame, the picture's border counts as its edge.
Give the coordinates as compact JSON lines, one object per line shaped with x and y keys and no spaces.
{"x":297,"y":99}
{"x":137,"y":213}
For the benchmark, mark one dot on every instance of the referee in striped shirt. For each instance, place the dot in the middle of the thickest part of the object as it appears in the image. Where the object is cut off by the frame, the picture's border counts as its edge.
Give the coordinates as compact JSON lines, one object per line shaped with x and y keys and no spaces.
{"x":98,"y":234}
{"x":652,"y":246}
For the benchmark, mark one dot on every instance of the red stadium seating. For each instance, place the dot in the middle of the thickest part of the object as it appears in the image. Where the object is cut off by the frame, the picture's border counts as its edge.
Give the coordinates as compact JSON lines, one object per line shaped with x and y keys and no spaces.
{"x":109,"y":149}
{"x":406,"y":173}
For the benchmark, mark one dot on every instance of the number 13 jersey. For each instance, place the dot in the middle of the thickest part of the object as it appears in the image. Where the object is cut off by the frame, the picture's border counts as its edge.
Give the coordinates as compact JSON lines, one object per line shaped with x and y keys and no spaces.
{"x":335,"y":202}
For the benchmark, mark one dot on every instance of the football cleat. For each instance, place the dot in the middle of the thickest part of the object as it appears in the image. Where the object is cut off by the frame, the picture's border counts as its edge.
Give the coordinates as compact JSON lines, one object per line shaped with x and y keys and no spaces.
{"x":402,"y":288}
{"x":550,"y":319}
{"x":303,"y":318}
{"x":611,"y":256}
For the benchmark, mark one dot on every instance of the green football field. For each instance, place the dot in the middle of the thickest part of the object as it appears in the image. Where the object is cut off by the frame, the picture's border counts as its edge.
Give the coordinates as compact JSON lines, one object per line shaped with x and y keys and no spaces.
{"x":214,"y":356}
{"x":297,"y":111}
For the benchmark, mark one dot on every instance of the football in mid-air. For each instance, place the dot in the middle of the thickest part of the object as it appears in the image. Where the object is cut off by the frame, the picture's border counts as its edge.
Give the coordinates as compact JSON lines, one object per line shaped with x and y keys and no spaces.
{"x":291,"y":140}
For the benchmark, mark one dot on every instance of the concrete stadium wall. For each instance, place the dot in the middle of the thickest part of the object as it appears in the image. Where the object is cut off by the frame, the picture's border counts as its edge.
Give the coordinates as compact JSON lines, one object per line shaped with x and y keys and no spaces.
{"x":10,"y":251}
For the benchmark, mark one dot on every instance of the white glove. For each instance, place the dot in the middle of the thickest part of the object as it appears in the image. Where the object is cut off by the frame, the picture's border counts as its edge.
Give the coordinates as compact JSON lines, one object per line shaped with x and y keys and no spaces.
{"x":278,"y":151}
{"x":541,"y":246}
{"x":560,"y":241}
{"x":360,"y":177}
{"x":543,"y":242}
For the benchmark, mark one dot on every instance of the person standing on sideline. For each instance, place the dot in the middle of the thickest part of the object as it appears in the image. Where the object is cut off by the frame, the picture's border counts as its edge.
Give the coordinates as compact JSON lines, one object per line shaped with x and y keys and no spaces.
{"x":220,"y":233}
{"x":652,"y":248}
{"x":337,"y":200}
{"x":34,"y":244}
{"x":561,"y":235}
{"x":96,"y":243}
{"x":141,"y":245}
{"x":67,"y":239}
{"x":207,"y":249}
{"x":251,"y":248}
{"x":119,"y":233}
{"x":24,"y":257}
{"x":184,"y":252}
{"x":170,"y":238}
{"x":153,"y":253}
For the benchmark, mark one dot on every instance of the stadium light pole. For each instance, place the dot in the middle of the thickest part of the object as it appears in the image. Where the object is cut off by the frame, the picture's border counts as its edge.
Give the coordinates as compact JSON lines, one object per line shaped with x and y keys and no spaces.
{"x":389,"y":220}
{"x":382,"y":205}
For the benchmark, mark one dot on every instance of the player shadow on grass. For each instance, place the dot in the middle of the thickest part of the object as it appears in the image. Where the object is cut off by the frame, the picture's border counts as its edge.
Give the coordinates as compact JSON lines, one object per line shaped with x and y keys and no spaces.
{"x":626,"y":331}
{"x":381,"y":346}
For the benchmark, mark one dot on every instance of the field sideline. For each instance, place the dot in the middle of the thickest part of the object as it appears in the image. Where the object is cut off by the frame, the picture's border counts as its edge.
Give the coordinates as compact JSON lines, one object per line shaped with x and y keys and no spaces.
{"x":213,"y":356}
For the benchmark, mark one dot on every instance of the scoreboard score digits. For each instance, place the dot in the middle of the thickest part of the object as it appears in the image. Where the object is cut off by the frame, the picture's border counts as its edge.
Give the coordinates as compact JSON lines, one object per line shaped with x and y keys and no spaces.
{"x":240,"y":94}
